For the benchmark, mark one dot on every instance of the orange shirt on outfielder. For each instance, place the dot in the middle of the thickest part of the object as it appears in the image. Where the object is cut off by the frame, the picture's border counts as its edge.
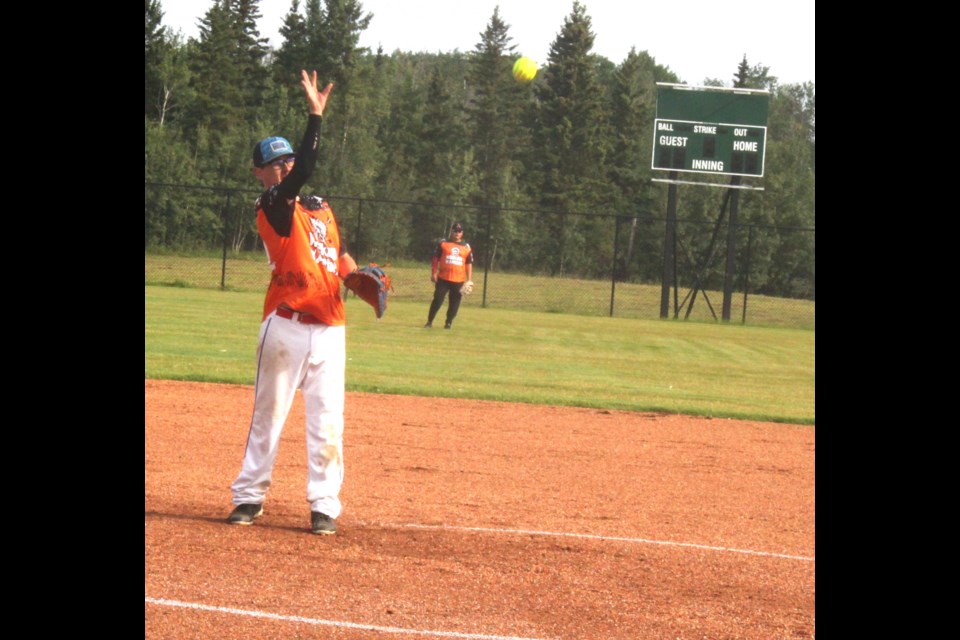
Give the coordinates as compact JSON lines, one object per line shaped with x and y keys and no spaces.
{"x":452,"y":260}
{"x":304,"y":265}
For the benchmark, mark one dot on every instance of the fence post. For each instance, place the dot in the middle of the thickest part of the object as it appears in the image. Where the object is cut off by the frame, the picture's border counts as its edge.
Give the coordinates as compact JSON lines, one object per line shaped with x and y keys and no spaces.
{"x":613,"y":270}
{"x":746,"y":273}
{"x":488,"y":254}
{"x":669,"y":250}
{"x":357,"y":247}
{"x":226,"y":239}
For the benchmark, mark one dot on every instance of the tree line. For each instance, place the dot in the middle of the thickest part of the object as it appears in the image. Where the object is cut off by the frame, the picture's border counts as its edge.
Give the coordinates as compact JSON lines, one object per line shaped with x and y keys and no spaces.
{"x":456,"y":128}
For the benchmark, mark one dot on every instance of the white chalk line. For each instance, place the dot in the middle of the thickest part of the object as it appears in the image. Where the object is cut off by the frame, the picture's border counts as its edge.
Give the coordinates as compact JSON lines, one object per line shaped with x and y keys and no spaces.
{"x":456,"y":634}
{"x":588,"y":536}
{"x":328,"y":623}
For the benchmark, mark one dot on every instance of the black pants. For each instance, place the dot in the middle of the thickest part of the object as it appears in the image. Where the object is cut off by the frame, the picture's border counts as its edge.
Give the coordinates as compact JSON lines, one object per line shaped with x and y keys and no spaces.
{"x":439,"y":293}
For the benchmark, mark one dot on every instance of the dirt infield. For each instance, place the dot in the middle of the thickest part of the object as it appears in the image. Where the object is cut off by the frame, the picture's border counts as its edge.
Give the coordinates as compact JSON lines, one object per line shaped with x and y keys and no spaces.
{"x":474,"y":519}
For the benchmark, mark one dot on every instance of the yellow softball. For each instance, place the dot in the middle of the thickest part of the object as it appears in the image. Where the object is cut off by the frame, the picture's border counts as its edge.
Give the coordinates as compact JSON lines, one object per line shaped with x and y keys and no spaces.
{"x":524,"y":69}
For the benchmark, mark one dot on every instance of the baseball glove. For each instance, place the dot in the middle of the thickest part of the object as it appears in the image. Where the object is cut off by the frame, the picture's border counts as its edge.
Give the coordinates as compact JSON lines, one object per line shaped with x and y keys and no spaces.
{"x":466,"y":288}
{"x":371,"y":284}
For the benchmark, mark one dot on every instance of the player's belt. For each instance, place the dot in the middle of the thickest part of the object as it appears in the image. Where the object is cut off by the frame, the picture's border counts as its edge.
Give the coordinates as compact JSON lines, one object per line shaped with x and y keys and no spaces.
{"x":296,"y":316}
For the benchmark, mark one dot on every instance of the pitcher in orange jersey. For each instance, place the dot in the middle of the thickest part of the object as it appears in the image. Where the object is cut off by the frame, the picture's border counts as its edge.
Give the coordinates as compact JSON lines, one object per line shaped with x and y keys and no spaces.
{"x":302,"y":333}
{"x":451,"y":267}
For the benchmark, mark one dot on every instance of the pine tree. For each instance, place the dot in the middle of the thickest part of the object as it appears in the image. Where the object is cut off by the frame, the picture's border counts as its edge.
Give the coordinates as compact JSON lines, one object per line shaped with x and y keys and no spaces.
{"x":251,"y":51}
{"x":229,"y":75}
{"x":217,"y":76}
{"x":325,"y":38}
{"x":492,"y":111}
{"x":338,"y":55}
{"x":569,"y":142}
{"x":755,"y":77}
{"x":293,"y":53}
{"x":787,"y":257}
{"x":342,"y":25}
{"x":497,"y":132}
{"x":399,"y":129}
{"x":633,"y":107}
{"x":154,"y":49}
{"x":439,"y":161}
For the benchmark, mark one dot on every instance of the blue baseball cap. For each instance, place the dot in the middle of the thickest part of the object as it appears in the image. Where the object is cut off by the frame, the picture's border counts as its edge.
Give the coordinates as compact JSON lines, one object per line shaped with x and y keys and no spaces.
{"x":269,"y":149}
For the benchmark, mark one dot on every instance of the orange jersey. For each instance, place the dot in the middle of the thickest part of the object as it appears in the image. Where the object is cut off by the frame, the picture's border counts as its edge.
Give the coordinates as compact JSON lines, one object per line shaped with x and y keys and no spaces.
{"x":452,"y":260}
{"x":304,"y":265}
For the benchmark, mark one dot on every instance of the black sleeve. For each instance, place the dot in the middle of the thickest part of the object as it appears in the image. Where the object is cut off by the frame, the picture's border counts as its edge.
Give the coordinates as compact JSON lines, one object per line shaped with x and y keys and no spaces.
{"x":275,"y":201}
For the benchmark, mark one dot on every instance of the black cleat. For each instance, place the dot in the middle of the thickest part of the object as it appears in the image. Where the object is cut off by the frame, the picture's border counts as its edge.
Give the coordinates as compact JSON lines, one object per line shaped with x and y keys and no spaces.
{"x":245,"y":514}
{"x":322,"y":523}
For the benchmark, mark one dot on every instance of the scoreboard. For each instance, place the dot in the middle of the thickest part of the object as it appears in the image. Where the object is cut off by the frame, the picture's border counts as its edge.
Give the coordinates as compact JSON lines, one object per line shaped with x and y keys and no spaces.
{"x":708,"y":147}
{"x":710,"y":130}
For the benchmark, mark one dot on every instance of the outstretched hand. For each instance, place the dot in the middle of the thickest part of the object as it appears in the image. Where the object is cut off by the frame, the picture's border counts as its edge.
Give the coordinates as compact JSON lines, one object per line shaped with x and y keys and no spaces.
{"x":316,"y":98}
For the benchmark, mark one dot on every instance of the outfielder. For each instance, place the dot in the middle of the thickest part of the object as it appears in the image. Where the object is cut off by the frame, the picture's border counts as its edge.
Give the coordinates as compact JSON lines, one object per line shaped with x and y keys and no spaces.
{"x":452,"y":272}
{"x":302,"y":336}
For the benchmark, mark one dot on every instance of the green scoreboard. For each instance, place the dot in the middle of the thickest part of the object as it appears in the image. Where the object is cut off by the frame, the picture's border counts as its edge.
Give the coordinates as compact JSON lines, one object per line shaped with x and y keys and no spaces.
{"x":710,"y":130}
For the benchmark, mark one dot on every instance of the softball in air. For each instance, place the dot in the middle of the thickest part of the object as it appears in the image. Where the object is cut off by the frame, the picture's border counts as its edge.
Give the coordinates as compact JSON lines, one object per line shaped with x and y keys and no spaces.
{"x":524,"y":69}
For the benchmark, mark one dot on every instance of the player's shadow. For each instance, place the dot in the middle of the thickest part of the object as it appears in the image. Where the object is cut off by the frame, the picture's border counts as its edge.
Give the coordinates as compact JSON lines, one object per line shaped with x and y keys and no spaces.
{"x":260,"y":523}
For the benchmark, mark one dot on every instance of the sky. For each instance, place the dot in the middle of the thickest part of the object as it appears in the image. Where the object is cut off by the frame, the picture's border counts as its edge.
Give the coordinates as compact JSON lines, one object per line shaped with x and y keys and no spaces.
{"x":696,"y":39}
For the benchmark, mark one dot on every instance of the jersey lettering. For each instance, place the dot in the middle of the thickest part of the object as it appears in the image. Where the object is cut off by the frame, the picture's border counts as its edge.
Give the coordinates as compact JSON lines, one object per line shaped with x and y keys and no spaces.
{"x":323,"y":255}
{"x":454,"y":257}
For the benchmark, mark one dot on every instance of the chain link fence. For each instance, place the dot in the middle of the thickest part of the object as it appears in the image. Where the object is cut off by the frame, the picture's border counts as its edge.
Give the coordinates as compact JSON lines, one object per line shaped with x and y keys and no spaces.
{"x":559,"y":262}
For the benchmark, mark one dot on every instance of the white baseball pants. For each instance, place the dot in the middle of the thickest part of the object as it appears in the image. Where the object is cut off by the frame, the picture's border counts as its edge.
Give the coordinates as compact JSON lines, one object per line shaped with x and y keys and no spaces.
{"x":311,"y":357}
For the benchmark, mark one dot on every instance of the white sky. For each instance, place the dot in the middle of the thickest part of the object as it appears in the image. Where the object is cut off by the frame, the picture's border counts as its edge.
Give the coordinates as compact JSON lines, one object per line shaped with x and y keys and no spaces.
{"x":696,"y":39}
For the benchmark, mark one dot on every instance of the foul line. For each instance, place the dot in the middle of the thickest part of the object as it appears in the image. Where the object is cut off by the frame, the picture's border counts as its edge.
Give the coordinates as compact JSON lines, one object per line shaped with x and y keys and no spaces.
{"x":614,"y":538}
{"x":328,"y":623}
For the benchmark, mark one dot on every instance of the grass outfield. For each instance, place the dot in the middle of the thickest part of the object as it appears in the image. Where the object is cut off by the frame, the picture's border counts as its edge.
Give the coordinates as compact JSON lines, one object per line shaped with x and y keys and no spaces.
{"x":695,"y":368}
{"x":523,"y":292}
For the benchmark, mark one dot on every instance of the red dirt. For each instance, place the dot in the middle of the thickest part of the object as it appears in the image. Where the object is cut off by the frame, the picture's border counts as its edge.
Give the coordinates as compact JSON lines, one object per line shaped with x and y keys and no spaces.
{"x":476,"y":519}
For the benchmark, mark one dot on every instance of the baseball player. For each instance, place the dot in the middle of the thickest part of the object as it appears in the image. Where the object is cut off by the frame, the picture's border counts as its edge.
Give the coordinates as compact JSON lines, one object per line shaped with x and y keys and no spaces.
{"x":452,"y":272}
{"x":302,"y":342}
